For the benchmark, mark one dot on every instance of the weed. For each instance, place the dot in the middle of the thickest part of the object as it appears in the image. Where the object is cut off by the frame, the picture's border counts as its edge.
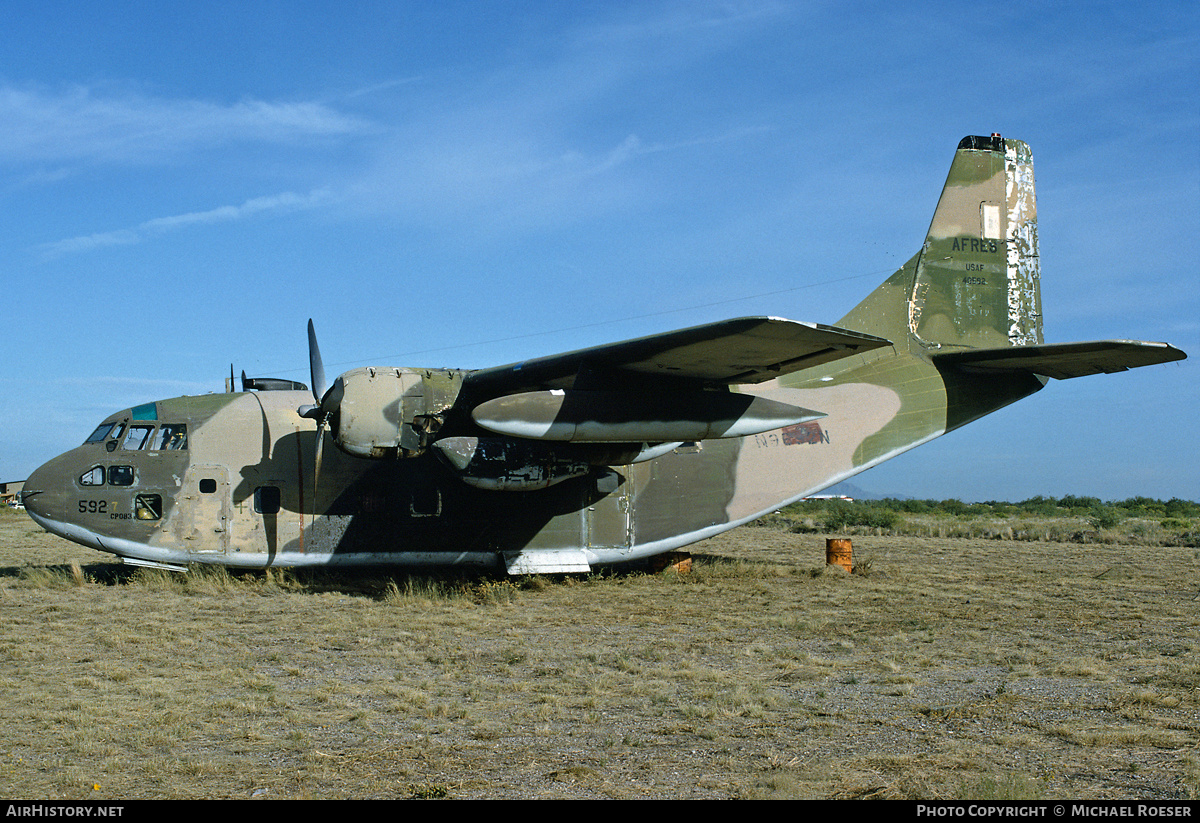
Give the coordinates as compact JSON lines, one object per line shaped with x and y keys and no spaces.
{"x":428,"y":792}
{"x":1010,"y":786}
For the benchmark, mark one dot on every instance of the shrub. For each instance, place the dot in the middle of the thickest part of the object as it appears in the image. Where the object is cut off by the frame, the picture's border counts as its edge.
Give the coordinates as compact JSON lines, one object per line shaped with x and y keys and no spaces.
{"x":841,"y":515}
{"x":1104,"y":517}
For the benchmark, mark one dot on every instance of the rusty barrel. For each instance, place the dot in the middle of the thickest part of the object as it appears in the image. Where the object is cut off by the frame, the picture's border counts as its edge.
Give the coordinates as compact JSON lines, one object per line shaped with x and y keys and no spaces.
{"x":837,"y":553}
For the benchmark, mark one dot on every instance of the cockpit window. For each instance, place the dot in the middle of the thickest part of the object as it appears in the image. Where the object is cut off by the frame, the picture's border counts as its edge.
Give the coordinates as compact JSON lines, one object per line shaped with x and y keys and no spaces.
{"x":100,"y":433}
{"x":120,"y":475}
{"x":171,"y":437}
{"x":136,"y":437}
{"x":92,"y":477}
{"x":116,"y":476}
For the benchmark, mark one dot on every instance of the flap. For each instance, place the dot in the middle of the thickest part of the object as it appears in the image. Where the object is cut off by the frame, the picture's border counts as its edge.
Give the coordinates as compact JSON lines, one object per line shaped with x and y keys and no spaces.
{"x":1064,"y":360}
{"x":744,"y":350}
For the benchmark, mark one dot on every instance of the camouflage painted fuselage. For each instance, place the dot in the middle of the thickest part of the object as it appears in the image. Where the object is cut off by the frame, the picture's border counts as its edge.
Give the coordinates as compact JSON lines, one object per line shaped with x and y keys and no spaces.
{"x":417,"y":511}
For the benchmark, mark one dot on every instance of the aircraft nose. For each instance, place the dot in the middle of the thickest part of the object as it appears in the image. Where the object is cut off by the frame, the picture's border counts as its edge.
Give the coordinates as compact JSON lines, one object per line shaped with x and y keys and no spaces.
{"x":31,"y":491}
{"x":50,"y":502}
{"x":28,"y":498}
{"x":35,"y":494}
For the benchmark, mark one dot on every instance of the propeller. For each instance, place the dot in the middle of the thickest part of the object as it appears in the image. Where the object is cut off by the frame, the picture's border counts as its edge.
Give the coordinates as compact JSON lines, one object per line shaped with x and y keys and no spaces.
{"x":327,"y":398}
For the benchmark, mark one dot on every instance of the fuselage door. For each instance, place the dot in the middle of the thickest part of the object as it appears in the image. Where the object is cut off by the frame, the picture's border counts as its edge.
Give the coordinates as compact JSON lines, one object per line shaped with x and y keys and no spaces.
{"x":202,"y":518}
{"x":609,"y":520}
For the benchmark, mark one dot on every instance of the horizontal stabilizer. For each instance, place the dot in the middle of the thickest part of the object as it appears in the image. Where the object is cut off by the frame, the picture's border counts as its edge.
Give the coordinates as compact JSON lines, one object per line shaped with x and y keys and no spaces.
{"x":1064,"y":360}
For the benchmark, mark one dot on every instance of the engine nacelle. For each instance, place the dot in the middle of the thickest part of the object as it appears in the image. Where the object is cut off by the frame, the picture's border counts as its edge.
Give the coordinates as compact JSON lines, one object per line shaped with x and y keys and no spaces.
{"x":391,"y":412}
{"x":574,"y":416}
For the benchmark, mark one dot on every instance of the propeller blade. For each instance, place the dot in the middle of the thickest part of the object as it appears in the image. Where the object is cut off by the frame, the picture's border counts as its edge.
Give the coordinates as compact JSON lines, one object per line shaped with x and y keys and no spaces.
{"x":317,"y":460}
{"x":327,"y":397}
{"x":315,"y":366}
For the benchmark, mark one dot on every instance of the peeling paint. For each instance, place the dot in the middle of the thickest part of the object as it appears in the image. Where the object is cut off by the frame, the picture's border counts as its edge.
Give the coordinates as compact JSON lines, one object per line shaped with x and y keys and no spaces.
{"x":1023,"y":264}
{"x":975,"y":282}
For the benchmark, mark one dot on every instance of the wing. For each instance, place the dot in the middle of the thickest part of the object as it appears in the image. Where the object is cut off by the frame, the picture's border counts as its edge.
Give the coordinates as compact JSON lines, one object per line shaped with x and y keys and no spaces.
{"x":658,"y":388}
{"x":744,"y":350}
{"x":1064,"y":360}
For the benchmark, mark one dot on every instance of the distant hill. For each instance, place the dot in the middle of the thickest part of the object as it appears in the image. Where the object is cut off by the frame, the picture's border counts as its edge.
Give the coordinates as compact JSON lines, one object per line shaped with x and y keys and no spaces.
{"x":859,"y":493}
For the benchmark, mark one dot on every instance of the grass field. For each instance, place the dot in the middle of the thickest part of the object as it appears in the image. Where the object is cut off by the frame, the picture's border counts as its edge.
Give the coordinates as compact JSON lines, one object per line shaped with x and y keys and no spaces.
{"x":998,"y":667}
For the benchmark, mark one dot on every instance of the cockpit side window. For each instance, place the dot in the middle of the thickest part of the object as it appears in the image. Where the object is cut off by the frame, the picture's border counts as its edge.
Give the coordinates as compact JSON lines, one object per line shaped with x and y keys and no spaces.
{"x":92,"y":477}
{"x":121,"y":475}
{"x":116,"y":476}
{"x":136,"y":437}
{"x":171,"y":437}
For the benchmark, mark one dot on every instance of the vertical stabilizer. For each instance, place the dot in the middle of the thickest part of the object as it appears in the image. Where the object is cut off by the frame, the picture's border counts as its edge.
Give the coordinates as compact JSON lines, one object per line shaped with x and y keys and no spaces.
{"x":975,"y":282}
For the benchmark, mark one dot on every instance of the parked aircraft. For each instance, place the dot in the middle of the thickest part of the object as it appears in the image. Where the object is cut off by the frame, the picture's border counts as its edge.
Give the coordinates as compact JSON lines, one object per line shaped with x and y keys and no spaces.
{"x":597,"y":456}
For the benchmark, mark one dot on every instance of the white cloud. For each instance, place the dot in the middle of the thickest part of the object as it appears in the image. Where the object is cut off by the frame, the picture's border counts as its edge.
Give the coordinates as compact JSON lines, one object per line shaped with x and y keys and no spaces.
{"x":287,"y":201}
{"x":78,"y":123}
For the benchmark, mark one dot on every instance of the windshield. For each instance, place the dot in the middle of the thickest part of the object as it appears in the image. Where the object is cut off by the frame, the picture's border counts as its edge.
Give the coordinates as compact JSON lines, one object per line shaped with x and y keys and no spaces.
{"x":100,"y":433}
{"x":167,"y":437}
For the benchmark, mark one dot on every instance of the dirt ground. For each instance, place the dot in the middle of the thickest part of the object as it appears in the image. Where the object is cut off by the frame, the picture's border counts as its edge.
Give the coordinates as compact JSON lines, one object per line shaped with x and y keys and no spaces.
{"x":942,"y":668}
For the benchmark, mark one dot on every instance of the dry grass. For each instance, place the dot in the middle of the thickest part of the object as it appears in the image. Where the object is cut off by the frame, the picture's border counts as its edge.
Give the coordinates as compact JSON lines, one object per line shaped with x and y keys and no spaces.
{"x":953,"y":668}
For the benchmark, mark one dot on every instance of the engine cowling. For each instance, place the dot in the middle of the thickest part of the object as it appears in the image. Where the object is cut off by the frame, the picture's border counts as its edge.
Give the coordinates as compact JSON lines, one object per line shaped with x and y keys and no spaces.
{"x":391,"y":412}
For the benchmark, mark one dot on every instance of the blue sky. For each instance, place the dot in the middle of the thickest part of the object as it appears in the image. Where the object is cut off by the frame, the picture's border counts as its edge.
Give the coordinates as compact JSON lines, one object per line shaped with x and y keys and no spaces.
{"x":470,"y":183}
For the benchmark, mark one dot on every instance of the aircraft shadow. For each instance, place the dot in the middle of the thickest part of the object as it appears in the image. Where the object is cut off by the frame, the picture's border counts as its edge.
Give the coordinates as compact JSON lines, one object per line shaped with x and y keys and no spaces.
{"x":376,"y":583}
{"x":105,"y":574}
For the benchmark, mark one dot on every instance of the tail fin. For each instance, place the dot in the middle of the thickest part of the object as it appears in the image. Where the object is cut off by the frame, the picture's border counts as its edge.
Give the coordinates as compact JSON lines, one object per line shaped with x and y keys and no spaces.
{"x":971,"y":297}
{"x":975,"y":282}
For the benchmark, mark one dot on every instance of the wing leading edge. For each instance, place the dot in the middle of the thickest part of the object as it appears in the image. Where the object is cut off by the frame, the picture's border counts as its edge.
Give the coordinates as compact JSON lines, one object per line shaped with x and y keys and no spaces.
{"x":743,"y":350}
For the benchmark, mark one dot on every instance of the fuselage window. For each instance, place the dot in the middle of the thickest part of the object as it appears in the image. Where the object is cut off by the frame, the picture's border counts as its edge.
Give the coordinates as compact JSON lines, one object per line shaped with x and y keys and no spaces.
{"x":267,"y":500}
{"x":92,"y":477}
{"x":136,"y":437}
{"x":147,"y":507}
{"x":121,"y":475}
{"x":208,"y":485}
{"x":171,"y":437}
